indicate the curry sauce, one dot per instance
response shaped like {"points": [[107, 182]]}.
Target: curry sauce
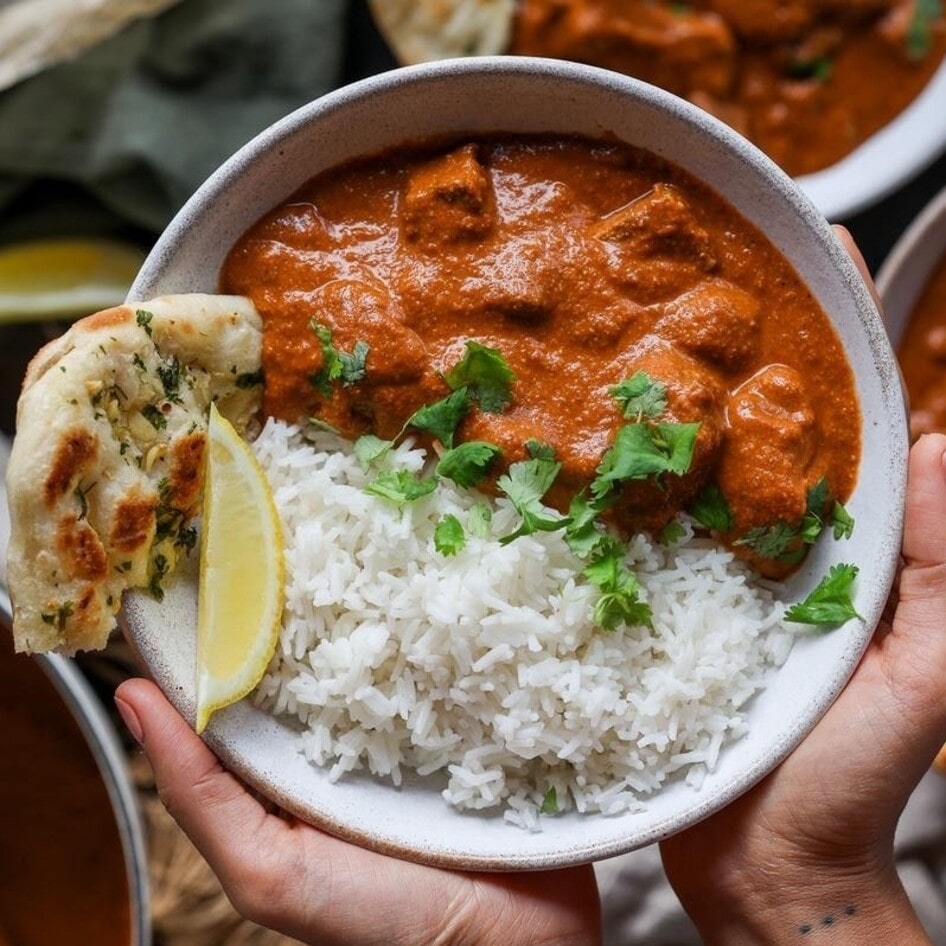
{"points": [[584, 264], [806, 80]]}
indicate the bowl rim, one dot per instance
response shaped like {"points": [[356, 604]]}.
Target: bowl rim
{"points": [[794, 198], [910, 263]]}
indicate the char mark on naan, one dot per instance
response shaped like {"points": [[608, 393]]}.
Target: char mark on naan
{"points": [[104, 478]]}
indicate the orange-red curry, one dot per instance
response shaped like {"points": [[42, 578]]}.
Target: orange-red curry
{"points": [[583, 263], [922, 357], [806, 80]]}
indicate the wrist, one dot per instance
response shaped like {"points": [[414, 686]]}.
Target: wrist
{"points": [[833, 903]]}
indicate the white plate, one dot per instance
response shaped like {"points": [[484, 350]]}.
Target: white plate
{"points": [[518, 94]]}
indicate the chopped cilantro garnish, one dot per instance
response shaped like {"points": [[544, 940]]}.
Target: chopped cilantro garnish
{"points": [[830, 604], [779, 541], [369, 449], [170, 374], [154, 417], [479, 520], [160, 567], [619, 602], [642, 450], [449, 537], [842, 522], [59, 617], [540, 450], [525, 484], [400, 487], [640, 396], [320, 424], [920, 31], [549, 802], [583, 533], [671, 533], [441, 418], [250, 379], [468, 463], [818, 68], [337, 365], [487, 376], [143, 318], [711, 509]]}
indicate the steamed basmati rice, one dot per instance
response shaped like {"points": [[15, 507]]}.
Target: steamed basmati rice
{"points": [[485, 666]]}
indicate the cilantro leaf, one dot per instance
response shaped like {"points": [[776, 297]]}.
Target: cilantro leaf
{"points": [[842, 522], [468, 463], [830, 604], [549, 802], [540, 450], [641, 396], [920, 31], [369, 449], [525, 484], [143, 317], [487, 375], [619, 602], [441, 418], [642, 450], [449, 537], [779, 542], [671, 533], [337, 365], [400, 487], [479, 519], [584, 534], [711, 509], [353, 366]]}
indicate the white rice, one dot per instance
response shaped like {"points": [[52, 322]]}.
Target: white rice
{"points": [[486, 666]]}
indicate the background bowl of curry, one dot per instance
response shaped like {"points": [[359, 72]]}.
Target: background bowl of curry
{"points": [[525, 96], [912, 286], [73, 867], [847, 97]]}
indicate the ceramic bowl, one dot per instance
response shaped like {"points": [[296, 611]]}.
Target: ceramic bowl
{"points": [[522, 95], [910, 264]]}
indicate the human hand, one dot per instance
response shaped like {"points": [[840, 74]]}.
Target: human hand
{"points": [[284, 874], [811, 847]]}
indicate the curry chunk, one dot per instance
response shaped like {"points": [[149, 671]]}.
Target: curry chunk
{"points": [[716, 322], [448, 200], [658, 247], [771, 440]]}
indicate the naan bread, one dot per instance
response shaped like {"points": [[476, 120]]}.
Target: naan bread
{"points": [[421, 30], [104, 478]]}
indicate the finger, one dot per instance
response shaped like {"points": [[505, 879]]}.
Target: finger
{"points": [[924, 536], [208, 802], [844, 235]]}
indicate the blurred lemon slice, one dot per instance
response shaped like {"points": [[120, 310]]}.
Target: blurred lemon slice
{"points": [[63, 279], [240, 599]]}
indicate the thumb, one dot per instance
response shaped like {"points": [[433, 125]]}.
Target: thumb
{"points": [[208, 802], [915, 653]]}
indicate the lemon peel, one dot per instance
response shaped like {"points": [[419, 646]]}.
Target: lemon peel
{"points": [[64, 278], [242, 575]]}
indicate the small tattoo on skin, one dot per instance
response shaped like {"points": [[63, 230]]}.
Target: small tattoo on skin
{"points": [[828, 920]]}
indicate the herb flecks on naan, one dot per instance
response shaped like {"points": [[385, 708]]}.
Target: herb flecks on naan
{"points": [[104, 478]]}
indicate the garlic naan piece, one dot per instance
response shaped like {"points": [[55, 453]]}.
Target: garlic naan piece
{"points": [[421, 30], [105, 474]]}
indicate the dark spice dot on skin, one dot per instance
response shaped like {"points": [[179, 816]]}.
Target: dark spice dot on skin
{"points": [[804, 929], [850, 910], [828, 920]]}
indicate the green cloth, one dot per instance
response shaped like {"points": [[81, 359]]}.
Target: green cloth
{"points": [[123, 135]]}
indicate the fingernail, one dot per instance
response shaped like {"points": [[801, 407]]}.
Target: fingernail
{"points": [[131, 719]]}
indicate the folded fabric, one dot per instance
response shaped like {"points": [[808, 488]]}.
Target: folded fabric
{"points": [[139, 121]]}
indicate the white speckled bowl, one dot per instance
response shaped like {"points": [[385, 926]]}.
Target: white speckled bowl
{"points": [[516, 94], [910, 264]]}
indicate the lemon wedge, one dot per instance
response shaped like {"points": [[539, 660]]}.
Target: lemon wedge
{"points": [[63, 279], [240, 599]]}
